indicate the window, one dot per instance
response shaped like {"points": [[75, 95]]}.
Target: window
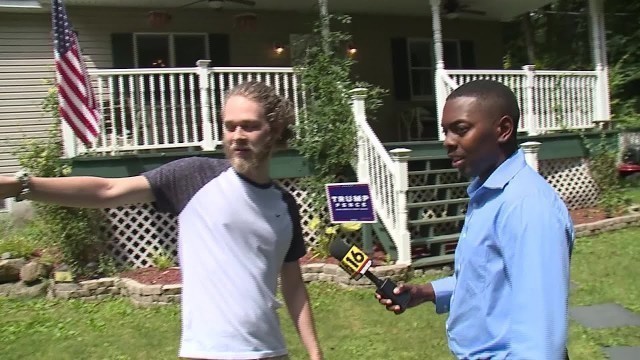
{"points": [[413, 65], [169, 50], [422, 65]]}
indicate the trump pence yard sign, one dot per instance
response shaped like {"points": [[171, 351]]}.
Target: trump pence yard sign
{"points": [[350, 202]]}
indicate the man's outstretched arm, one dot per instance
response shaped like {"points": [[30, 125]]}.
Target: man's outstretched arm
{"points": [[82, 191]]}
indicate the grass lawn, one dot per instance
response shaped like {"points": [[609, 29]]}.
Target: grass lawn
{"points": [[350, 322]]}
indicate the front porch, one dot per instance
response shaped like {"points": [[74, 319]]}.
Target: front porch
{"points": [[174, 109]]}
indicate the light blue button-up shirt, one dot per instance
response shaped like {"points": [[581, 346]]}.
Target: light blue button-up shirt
{"points": [[508, 296]]}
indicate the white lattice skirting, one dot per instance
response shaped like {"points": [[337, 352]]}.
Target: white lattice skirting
{"points": [[571, 179], [136, 233]]}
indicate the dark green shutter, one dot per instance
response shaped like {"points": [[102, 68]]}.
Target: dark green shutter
{"points": [[467, 54], [400, 69], [122, 50], [219, 51]]}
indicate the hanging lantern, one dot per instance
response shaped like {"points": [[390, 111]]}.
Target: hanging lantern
{"points": [[246, 21], [158, 19]]}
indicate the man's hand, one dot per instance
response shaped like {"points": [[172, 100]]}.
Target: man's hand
{"points": [[419, 294]]}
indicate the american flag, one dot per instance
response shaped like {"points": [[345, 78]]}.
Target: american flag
{"points": [[75, 95]]}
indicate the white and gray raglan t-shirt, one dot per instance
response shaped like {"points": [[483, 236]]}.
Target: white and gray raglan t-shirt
{"points": [[234, 236]]}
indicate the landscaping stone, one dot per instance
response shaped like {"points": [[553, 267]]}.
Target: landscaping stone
{"points": [[5, 256], [66, 287], [7, 289], [10, 270], [30, 291], [622, 352], [604, 316], [33, 271]]}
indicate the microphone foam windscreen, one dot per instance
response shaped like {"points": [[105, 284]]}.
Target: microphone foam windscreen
{"points": [[339, 248]]}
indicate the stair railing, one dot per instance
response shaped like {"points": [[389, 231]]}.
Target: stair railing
{"points": [[387, 176]]}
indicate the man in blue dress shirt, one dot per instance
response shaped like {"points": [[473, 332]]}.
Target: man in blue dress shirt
{"points": [[508, 296]]}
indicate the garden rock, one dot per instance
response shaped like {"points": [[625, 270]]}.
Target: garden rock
{"points": [[30, 291], [7, 289], [10, 270], [32, 272], [5, 256]]}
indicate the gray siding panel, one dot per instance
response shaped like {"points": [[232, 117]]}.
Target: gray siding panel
{"points": [[26, 62]]}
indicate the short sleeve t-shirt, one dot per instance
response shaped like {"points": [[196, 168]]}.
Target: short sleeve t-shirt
{"points": [[234, 235]]}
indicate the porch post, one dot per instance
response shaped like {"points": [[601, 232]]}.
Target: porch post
{"points": [[358, 97], [530, 149], [205, 105], [530, 121], [400, 159], [440, 89], [596, 12]]}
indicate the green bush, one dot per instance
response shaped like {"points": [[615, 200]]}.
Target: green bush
{"points": [[18, 246], [327, 130], [162, 260], [603, 168], [74, 232]]}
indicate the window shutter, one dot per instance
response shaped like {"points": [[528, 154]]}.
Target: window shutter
{"points": [[122, 50], [219, 50], [467, 54], [400, 69]]}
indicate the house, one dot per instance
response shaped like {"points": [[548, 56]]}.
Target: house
{"points": [[158, 104]]}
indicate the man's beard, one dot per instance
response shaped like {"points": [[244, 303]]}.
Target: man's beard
{"points": [[248, 164]]}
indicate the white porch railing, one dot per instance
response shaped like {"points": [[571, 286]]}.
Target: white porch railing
{"points": [[146, 109], [387, 175], [549, 100]]}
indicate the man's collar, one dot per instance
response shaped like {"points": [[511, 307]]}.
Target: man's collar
{"points": [[503, 173]]}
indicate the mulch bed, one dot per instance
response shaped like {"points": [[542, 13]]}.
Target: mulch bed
{"points": [[154, 276]]}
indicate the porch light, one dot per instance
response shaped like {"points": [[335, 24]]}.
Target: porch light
{"points": [[278, 48], [352, 49]]}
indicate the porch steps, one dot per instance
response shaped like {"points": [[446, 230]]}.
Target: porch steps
{"points": [[436, 239], [438, 220], [432, 261], [438, 186], [437, 200]]}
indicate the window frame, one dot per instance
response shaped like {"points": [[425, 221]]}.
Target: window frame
{"points": [[171, 40], [432, 68]]}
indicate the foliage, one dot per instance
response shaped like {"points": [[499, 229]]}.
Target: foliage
{"points": [[18, 246], [329, 233], [162, 260], [603, 168], [327, 130], [107, 265], [74, 231]]}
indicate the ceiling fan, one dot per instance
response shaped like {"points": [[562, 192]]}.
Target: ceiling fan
{"points": [[453, 7], [219, 4]]}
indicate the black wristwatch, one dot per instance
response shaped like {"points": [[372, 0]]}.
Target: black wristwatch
{"points": [[23, 178]]}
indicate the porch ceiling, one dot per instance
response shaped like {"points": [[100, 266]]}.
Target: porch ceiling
{"points": [[495, 9]]}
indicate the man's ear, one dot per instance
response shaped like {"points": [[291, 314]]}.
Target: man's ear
{"points": [[505, 129]]}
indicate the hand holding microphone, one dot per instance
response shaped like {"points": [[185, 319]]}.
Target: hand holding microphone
{"points": [[356, 263]]}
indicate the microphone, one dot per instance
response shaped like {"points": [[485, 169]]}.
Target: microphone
{"points": [[356, 263]]}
